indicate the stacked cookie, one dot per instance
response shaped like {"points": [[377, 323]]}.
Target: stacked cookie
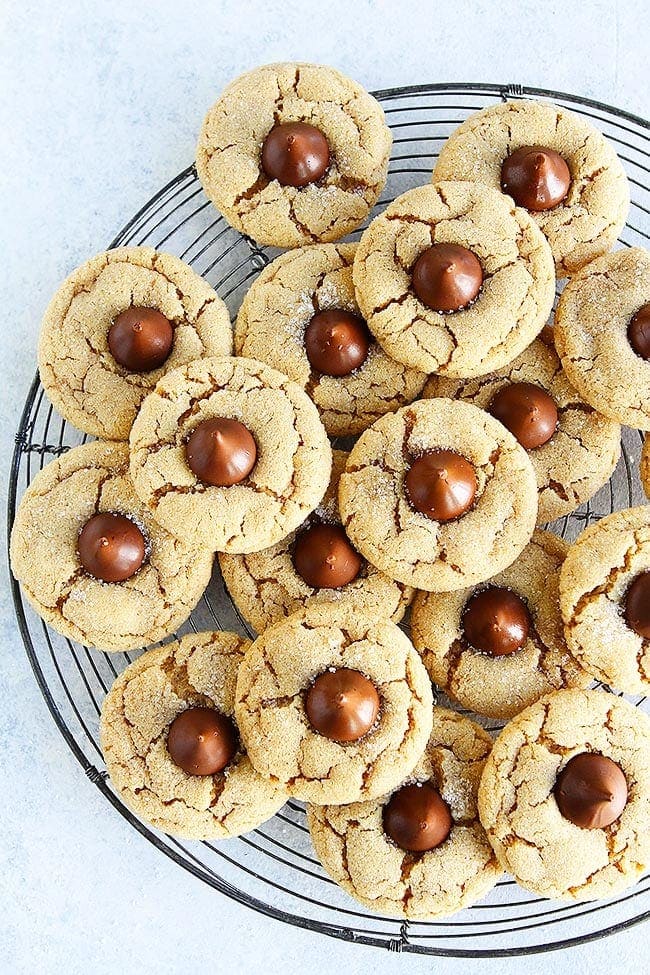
{"points": [[446, 297]]}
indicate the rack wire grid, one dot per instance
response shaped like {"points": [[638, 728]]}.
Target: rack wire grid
{"points": [[274, 870]]}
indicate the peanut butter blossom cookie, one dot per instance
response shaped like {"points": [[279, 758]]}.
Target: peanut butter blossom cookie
{"points": [[418, 852], [116, 325], [333, 706], [498, 647], [229, 454], [294, 154], [573, 448], [438, 495], [171, 744], [91, 559], [552, 163], [315, 564], [605, 599], [454, 279], [602, 334], [565, 795], [301, 316]]}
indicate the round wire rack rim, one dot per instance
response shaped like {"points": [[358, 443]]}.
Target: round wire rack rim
{"points": [[168, 845]]}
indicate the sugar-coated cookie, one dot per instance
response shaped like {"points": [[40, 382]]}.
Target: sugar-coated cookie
{"points": [[554, 163], [176, 704], [565, 795], [116, 325], [294, 153], [435, 810]]}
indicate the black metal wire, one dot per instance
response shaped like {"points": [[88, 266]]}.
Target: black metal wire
{"points": [[273, 870]]}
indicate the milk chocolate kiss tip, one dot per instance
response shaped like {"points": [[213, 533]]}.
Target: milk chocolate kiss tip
{"points": [[342, 705], [447, 277], [221, 451], [295, 153], [536, 177], [202, 741], [140, 339], [111, 547]]}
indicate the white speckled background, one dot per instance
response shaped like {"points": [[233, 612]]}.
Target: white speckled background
{"points": [[101, 104]]}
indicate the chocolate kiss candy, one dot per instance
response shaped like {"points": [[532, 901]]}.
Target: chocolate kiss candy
{"points": [[140, 339], [337, 342], [417, 818], [324, 557], [496, 621], [221, 452], [591, 791], [447, 277], [202, 741], [342, 704], [111, 547], [295, 153], [637, 605], [638, 332], [441, 485], [527, 411], [535, 177]]}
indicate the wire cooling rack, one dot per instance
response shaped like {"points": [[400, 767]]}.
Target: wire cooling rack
{"points": [[274, 870]]}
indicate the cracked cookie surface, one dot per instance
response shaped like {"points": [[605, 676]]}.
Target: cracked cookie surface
{"points": [[545, 852], [500, 687], [198, 671], [111, 616], [228, 155], [288, 480], [591, 323], [271, 327], [81, 377], [599, 569], [266, 586], [584, 450], [512, 306], [588, 221], [275, 676], [407, 545], [354, 849]]}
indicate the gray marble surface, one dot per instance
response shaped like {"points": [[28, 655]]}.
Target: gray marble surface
{"points": [[101, 105]]}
